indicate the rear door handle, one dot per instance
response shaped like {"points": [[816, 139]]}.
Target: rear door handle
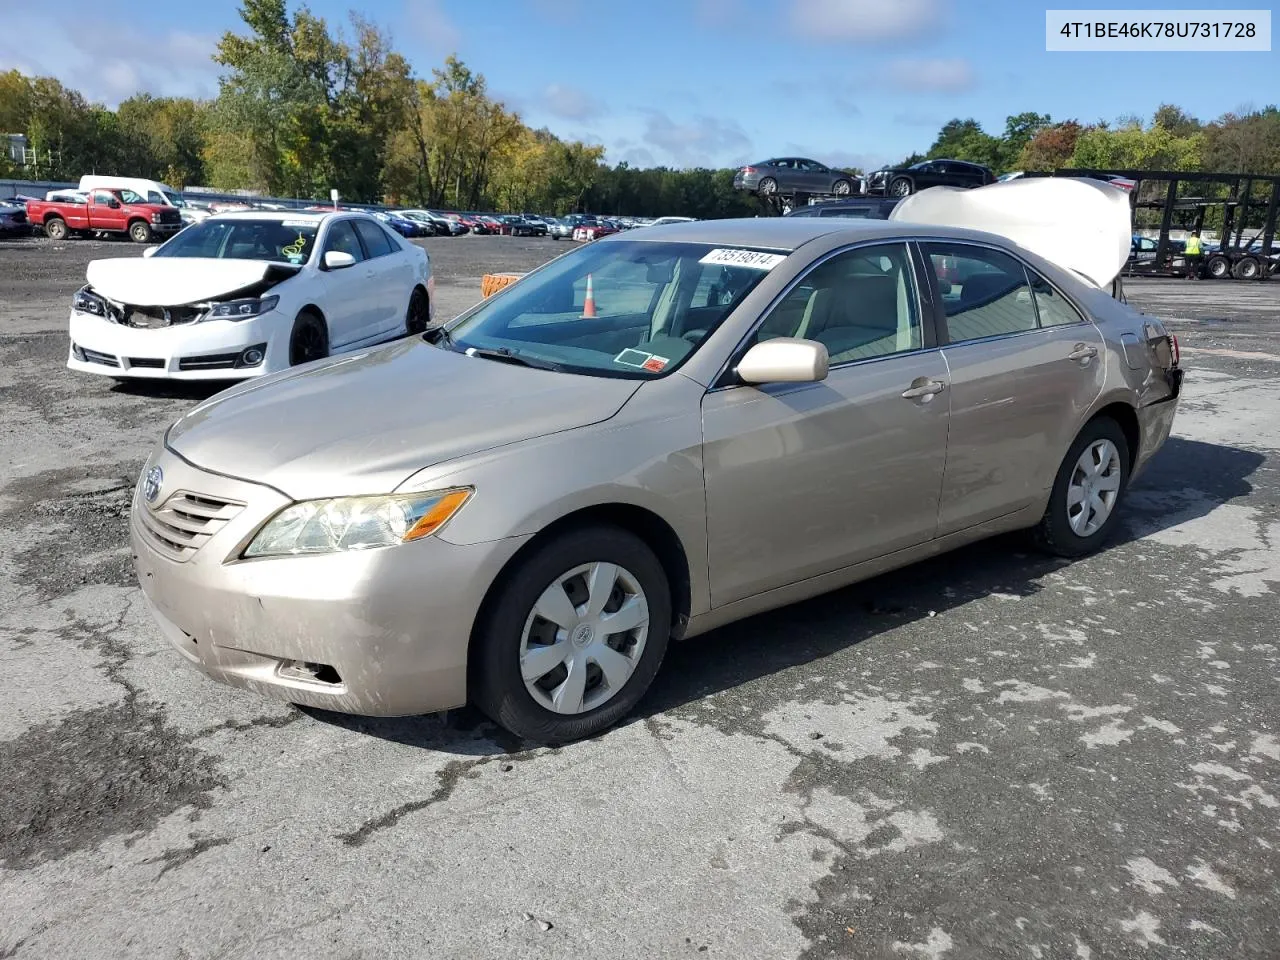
{"points": [[923, 388], [1083, 352]]}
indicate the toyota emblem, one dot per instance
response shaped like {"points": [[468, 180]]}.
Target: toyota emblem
{"points": [[151, 485]]}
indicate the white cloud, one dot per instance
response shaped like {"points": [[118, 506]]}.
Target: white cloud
{"points": [[704, 142], [96, 57], [432, 26], [570, 103], [933, 75], [864, 21]]}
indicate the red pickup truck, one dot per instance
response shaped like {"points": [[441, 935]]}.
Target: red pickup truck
{"points": [[105, 211]]}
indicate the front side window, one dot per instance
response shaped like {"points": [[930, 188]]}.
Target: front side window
{"points": [[860, 304], [984, 291], [342, 237], [630, 309], [103, 197]]}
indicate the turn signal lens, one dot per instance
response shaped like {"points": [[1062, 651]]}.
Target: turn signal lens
{"points": [[436, 515]]}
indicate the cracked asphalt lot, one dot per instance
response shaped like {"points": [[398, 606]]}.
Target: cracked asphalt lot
{"points": [[989, 755]]}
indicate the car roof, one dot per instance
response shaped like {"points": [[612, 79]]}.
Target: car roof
{"points": [[790, 233], [314, 215]]}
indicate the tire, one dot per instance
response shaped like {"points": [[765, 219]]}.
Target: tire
{"points": [[900, 187], [1219, 268], [309, 339], [1056, 533], [842, 188], [55, 228], [140, 231], [511, 624], [418, 315], [1246, 268], [768, 187]]}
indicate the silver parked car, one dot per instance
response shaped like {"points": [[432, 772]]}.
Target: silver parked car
{"points": [[643, 439]]}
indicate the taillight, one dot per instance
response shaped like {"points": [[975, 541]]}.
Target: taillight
{"points": [[748, 169], [1177, 352]]}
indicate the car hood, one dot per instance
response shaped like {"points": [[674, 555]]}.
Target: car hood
{"points": [[174, 281], [366, 423]]}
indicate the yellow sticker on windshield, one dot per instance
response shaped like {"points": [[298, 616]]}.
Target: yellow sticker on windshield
{"points": [[294, 250]]}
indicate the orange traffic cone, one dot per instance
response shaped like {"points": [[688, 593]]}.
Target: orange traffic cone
{"points": [[589, 304]]}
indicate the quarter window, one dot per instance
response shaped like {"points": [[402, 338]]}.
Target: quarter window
{"points": [[985, 292], [861, 304]]}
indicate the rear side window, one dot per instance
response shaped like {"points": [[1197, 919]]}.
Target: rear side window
{"points": [[985, 292], [375, 240], [1054, 310]]}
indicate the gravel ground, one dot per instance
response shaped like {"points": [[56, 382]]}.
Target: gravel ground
{"points": [[989, 755]]}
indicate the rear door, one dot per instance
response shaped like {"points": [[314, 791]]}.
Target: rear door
{"points": [[348, 307], [1025, 368], [390, 274]]}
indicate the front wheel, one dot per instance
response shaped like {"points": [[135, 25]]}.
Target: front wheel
{"points": [[1090, 484], [572, 639], [140, 232], [309, 339]]}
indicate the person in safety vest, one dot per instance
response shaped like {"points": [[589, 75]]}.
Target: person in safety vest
{"points": [[1194, 253]]}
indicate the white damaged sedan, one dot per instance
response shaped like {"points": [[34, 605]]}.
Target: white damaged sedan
{"points": [[246, 294]]}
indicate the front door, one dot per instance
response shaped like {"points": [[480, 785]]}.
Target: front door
{"points": [[104, 216], [348, 308], [1025, 366], [804, 479]]}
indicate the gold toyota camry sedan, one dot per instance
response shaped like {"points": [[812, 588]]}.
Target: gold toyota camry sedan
{"points": [[646, 438]]}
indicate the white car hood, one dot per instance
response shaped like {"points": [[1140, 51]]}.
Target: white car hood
{"points": [[174, 281], [1079, 224]]}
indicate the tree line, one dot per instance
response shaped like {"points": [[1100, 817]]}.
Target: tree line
{"points": [[303, 108]]}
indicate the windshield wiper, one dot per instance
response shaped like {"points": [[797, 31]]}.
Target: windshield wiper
{"points": [[506, 355]]}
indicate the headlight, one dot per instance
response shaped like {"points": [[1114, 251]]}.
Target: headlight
{"points": [[356, 523], [156, 218], [241, 309], [86, 301]]}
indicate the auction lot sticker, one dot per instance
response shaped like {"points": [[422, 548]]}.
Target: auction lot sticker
{"points": [[744, 258]]}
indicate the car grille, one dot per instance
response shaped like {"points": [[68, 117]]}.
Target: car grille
{"points": [[106, 359], [210, 361], [184, 522], [148, 317], [153, 363], [170, 216]]}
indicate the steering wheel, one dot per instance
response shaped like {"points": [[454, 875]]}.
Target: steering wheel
{"points": [[693, 336]]}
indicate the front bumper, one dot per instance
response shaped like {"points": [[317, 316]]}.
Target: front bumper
{"points": [[379, 632], [210, 350]]}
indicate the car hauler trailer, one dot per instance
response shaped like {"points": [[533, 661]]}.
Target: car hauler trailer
{"points": [[1247, 210]]}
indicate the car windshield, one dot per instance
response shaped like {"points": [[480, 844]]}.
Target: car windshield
{"points": [[281, 241], [617, 309]]}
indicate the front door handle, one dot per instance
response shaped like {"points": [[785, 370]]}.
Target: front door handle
{"points": [[923, 388], [1083, 352]]}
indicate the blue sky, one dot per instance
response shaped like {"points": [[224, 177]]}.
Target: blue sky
{"points": [[688, 82]]}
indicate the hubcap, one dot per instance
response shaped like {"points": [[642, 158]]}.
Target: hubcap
{"points": [[1094, 488], [584, 637]]}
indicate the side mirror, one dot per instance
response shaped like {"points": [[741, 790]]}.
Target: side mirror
{"points": [[338, 260], [150, 251], [784, 360]]}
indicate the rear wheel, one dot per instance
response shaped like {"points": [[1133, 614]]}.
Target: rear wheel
{"points": [[55, 228], [309, 339], [572, 639], [900, 187], [140, 231], [419, 313], [1218, 267], [1090, 484], [1246, 268], [768, 187]]}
